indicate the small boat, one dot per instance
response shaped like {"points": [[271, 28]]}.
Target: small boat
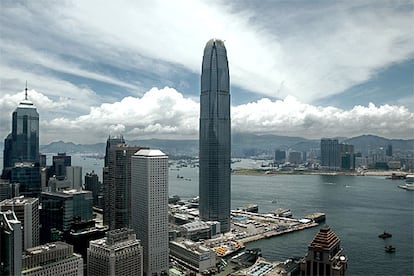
{"points": [[385, 235], [389, 249]]}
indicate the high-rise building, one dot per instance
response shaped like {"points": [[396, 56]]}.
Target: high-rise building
{"points": [[22, 144], [325, 255], [337, 156], [60, 162], [27, 212], [117, 185], [74, 175], [52, 259], [8, 189], [149, 189], [119, 253], [280, 156], [330, 159], [60, 210], [215, 136], [28, 176], [92, 184], [10, 244]]}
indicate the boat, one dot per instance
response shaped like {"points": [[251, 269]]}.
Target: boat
{"points": [[408, 186], [409, 179], [389, 249], [385, 235]]}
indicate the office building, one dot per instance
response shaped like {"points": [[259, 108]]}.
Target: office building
{"points": [[60, 163], [149, 189], [337, 156], [92, 184], [117, 184], [74, 175], [280, 156], [215, 136], [330, 154], [8, 189], [119, 253], [61, 209], [325, 255], [295, 157], [195, 256], [52, 259], [27, 212], [10, 244], [22, 144], [28, 176]]}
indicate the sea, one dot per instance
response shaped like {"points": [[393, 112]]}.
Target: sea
{"points": [[357, 208]]}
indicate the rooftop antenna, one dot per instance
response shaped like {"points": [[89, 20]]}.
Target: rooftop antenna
{"points": [[25, 97]]}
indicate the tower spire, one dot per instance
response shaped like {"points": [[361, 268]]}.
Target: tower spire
{"points": [[25, 95]]}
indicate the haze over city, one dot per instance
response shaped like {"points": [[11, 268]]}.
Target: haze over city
{"points": [[310, 69]]}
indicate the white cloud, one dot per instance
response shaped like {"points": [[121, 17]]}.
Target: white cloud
{"points": [[166, 113], [309, 54]]}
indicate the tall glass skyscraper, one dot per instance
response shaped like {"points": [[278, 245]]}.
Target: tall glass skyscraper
{"points": [[215, 136], [22, 144]]}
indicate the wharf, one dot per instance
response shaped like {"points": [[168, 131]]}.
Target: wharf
{"points": [[273, 233]]}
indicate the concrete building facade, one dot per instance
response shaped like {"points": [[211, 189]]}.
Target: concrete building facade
{"points": [[119, 253], [27, 212], [150, 208]]}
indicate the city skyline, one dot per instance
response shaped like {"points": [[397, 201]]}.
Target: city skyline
{"points": [[298, 69]]}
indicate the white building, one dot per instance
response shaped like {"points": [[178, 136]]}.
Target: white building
{"points": [[10, 244], [27, 212], [74, 175], [52, 259], [149, 203], [193, 255], [119, 253]]}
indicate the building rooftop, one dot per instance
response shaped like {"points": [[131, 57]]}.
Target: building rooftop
{"points": [[21, 200], [325, 238], [149, 152]]}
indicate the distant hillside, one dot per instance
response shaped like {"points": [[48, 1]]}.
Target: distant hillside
{"points": [[243, 145], [365, 143], [70, 147]]}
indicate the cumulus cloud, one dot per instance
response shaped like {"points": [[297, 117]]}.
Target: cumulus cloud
{"points": [[167, 113], [309, 51]]}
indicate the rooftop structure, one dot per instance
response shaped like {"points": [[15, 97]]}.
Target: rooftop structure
{"points": [[193, 255], [52, 259], [119, 253]]}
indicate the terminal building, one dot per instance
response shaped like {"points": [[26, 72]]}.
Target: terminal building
{"points": [[197, 230], [193, 255]]}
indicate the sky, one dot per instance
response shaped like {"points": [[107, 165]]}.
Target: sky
{"points": [[310, 69]]}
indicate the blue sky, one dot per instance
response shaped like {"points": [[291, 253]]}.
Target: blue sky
{"points": [[300, 68]]}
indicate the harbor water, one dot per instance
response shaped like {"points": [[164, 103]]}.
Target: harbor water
{"points": [[357, 208]]}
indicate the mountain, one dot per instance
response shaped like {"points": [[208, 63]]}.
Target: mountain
{"points": [[243, 145], [70, 147], [366, 143]]}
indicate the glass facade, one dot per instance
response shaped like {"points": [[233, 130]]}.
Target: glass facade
{"points": [[215, 136]]}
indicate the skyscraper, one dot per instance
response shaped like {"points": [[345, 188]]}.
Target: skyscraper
{"points": [[117, 184], [149, 187], [10, 244], [119, 253], [22, 144], [27, 212], [215, 136]]}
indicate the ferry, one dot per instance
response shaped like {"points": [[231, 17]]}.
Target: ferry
{"points": [[409, 185], [385, 235]]}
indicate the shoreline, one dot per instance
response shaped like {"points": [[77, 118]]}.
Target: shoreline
{"points": [[260, 172]]}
